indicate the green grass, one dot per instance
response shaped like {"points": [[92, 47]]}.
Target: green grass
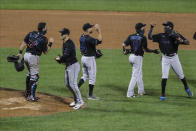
{"points": [[179, 6], [114, 112]]}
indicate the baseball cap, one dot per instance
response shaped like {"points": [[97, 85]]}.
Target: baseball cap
{"points": [[65, 31], [168, 23], [139, 25], [86, 26]]}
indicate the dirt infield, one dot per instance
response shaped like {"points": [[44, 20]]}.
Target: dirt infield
{"points": [[13, 103], [116, 26]]}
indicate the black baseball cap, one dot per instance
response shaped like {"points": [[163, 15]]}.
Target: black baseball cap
{"points": [[139, 25], [65, 31], [86, 26], [169, 23]]}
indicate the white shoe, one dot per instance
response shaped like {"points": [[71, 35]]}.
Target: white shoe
{"points": [[78, 106], [133, 96], [142, 94], [72, 104]]}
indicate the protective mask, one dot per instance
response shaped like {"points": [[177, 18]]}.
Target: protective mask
{"points": [[141, 32], [167, 30]]}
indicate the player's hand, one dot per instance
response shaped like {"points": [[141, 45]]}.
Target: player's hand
{"points": [[20, 56], [156, 51], [97, 27], [51, 40]]}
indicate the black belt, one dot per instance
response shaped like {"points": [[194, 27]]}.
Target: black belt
{"points": [[170, 55], [71, 63], [136, 54]]}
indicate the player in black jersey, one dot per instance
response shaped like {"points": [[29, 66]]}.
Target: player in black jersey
{"points": [[138, 44], [35, 43], [72, 67], [168, 44], [88, 50]]}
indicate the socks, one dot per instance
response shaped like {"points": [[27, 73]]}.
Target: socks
{"points": [[91, 87], [80, 83], [185, 83], [163, 85]]}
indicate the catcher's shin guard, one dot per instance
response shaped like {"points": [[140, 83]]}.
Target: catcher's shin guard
{"points": [[33, 86], [28, 88]]}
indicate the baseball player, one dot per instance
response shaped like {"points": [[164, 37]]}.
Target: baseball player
{"points": [[35, 43], [168, 44], [88, 50], [72, 67], [138, 44], [194, 36]]}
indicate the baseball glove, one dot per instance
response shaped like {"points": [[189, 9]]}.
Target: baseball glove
{"points": [[58, 59], [126, 51], [98, 53]]}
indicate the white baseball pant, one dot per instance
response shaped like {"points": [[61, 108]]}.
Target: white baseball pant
{"points": [[136, 62], [173, 62]]}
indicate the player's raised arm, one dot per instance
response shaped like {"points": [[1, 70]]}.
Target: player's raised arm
{"points": [[150, 32], [98, 29]]}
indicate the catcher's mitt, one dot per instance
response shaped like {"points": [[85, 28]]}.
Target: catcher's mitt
{"points": [[98, 53], [12, 58]]}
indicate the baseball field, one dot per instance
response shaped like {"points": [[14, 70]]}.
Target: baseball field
{"points": [[113, 112]]}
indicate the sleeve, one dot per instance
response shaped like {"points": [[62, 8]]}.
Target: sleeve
{"points": [[156, 37], [26, 39], [127, 41], [45, 43], [144, 43], [93, 41]]}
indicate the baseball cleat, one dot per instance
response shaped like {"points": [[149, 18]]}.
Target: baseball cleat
{"points": [[72, 104], [142, 94], [32, 99], [78, 106], [133, 96], [190, 94], [93, 98], [162, 98]]}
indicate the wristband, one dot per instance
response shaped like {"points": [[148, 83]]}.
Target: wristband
{"points": [[50, 44]]}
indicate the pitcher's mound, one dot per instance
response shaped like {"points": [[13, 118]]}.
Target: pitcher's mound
{"points": [[13, 103]]}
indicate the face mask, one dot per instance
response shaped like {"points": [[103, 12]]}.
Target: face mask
{"points": [[141, 32], [167, 30]]}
